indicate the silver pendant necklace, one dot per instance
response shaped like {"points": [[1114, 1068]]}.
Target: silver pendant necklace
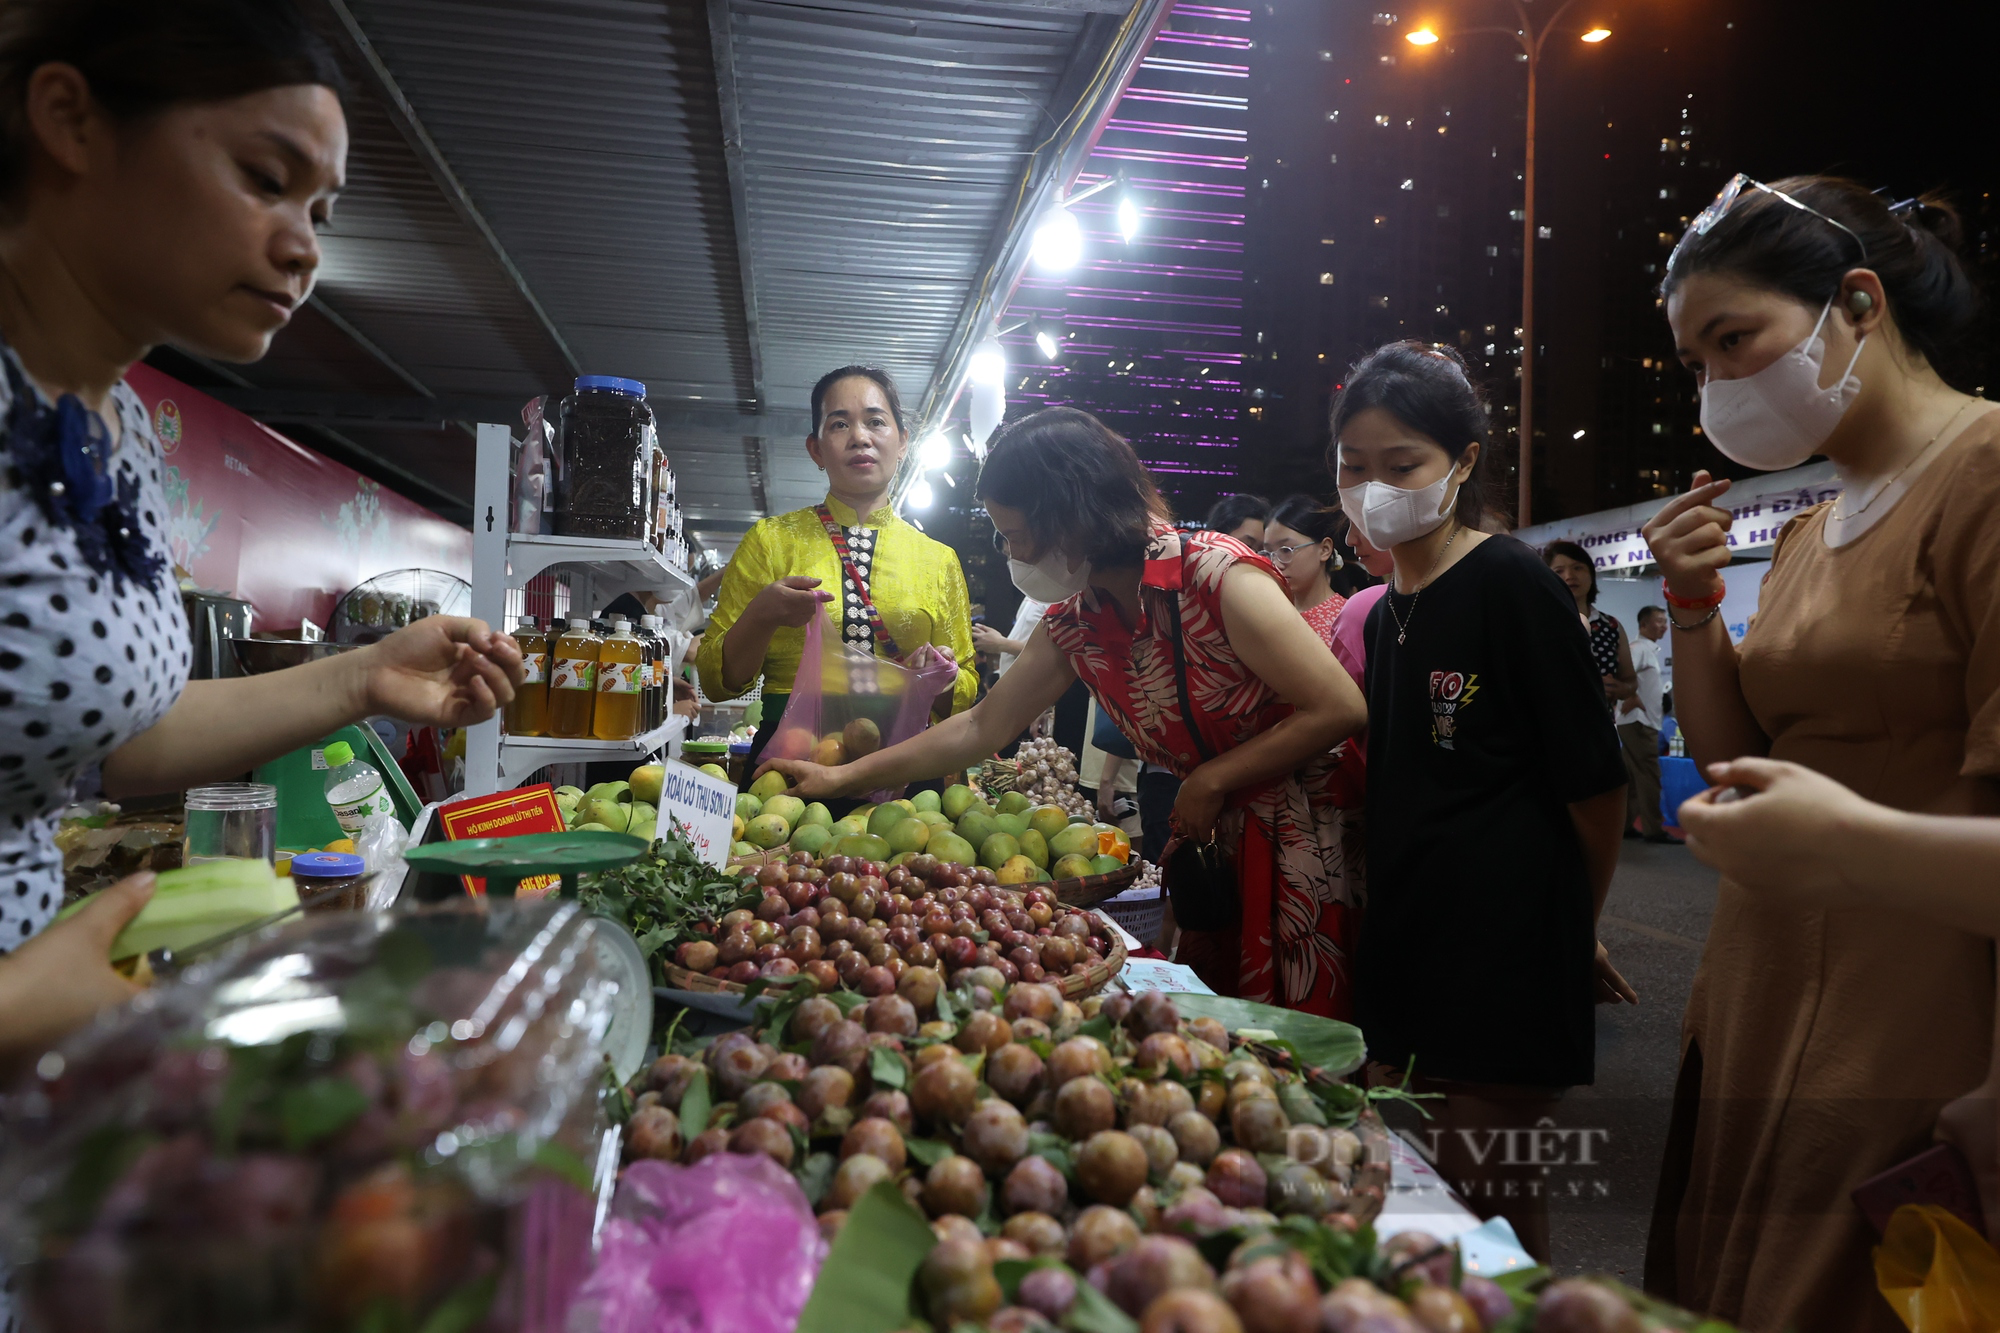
{"points": [[1402, 625]]}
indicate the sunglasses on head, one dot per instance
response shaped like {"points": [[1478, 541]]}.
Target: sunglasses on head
{"points": [[1732, 194]]}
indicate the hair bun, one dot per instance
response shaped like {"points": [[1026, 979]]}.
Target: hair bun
{"points": [[1934, 214]]}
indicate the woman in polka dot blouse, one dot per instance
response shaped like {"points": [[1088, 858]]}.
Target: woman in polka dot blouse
{"points": [[163, 170]]}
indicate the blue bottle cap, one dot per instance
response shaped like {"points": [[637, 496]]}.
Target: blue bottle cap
{"points": [[612, 384], [327, 865]]}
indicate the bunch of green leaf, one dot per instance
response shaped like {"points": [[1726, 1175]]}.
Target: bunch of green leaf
{"points": [[663, 897]]}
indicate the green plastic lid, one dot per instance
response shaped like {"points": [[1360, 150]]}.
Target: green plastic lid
{"points": [[705, 747], [338, 753]]}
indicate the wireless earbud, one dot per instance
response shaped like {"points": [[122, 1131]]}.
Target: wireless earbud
{"points": [[1860, 303]]}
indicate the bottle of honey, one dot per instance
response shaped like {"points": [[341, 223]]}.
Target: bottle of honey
{"points": [[573, 680], [650, 710], [528, 715], [619, 660]]}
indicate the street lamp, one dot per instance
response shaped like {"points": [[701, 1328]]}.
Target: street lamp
{"points": [[1531, 39]]}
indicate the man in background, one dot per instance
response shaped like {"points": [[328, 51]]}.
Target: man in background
{"points": [[1639, 720]]}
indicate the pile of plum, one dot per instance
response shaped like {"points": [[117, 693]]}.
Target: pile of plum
{"points": [[911, 929]]}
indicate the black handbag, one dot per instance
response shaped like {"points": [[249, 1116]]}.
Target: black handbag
{"points": [[1200, 877]]}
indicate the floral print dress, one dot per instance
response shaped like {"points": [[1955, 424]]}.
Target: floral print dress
{"points": [[1300, 904]]}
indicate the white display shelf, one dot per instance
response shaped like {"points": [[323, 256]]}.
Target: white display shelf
{"points": [[613, 565], [599, 568], [522, 755]]}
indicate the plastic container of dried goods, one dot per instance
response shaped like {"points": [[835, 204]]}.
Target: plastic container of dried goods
{"points": [[355, 1120], [607, 441]]}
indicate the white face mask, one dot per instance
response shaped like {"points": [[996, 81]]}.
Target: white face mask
{"points": [[1389, 515], [1049, 579], [1779, 417]]}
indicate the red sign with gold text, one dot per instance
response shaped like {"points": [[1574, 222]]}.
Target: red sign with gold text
{"points": [[251, 513], [505, 814]]}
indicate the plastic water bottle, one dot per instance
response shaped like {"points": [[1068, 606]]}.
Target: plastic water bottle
{"points": [[354, 789]]}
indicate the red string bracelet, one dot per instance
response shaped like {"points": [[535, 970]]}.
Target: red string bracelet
{"points": [[1692, 603]]}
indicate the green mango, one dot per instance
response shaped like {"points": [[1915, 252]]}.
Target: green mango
{"points": [[767, 831], [976, 827], [1105, 865], [614, 815], [909, 835], [1074, 840], [716, 771], [811, 838], [1036, 848], [1072, 867], [615, 791], [997, 850], [1014, 803], [817, 813], [1013, 824], [742, 849], [749, 806], [852, 826], [866, 846], [955, 802], [948, 847], [788, 808], [888, 815], [926, 800], [1048, 820]]}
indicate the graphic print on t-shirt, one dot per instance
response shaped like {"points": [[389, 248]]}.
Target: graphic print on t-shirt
{"points": [[1450, 691]]}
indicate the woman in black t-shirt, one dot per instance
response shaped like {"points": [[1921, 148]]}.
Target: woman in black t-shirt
{"points": [[1495, 787]]}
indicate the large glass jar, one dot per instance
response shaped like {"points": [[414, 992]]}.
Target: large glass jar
{"points": [[607, 440]]}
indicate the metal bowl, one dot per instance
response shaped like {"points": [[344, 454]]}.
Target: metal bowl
{"points": [[254, 657]]}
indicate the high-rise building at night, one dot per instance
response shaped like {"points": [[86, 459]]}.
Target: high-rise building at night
{"points": [[1147, 328]]}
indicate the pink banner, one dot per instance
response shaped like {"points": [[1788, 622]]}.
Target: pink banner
{"points": [[251, 513]]}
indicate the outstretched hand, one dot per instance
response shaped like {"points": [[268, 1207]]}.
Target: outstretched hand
{"points": [[60, 979], [1785, 830], [809, 781], [443, 671]]}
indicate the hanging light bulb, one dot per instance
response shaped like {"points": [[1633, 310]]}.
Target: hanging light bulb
{"points": [[1058, 243], [1128, 218], [934, 452], [989, 365], [920, 494]]}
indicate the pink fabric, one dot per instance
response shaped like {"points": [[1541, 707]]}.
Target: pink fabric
{"points": [[1347, 642]]}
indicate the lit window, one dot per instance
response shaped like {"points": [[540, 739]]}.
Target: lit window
{"points": [[1326, 240], [1545, 233], [1409, 185], [1382, 121], [1489, 349], [1666, 238], [1492, 252], [1333, 158], [1385, 60], [1666, 145], [1516, 215], [1659, 428], [1326, 279], [1663, 192], [1444, 310], [1333, 115], [1385, 20]]}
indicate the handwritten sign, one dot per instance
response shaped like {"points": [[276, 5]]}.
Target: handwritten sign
{"points": [[705, 806]]}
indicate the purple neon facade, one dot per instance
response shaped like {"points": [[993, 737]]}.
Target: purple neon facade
{"points": [[1152, 330]]}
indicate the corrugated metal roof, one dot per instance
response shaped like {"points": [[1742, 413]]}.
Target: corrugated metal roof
{"points": [[538, 187]]}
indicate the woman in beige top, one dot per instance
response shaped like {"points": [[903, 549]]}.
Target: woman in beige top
{"points": [[1821, 1044]]}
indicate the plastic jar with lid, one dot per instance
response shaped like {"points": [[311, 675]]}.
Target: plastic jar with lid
{"points": [[606, 439], [330, 881]]}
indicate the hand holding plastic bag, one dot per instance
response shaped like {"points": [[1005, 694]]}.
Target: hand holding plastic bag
{"points": [[728, 1245], [847, 703], [1939, 1274]]}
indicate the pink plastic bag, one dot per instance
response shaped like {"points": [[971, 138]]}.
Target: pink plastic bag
{"points": [[846, 703], [728, 1245]]}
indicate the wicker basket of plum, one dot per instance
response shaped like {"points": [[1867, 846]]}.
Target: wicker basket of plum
{"points": [[916, 930]]}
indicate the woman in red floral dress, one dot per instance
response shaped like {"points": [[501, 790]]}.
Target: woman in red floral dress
{"points": [[1087, 531]]}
